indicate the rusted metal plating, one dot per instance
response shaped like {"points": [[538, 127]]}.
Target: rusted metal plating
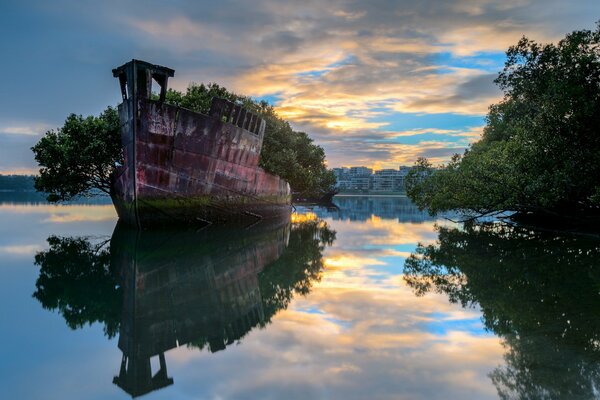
{"points": [[237, 115]]}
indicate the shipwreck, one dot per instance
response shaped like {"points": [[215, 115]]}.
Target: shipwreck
{"points": [[184, 167]]}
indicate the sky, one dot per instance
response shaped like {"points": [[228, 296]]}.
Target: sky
{"points": [[375, 83]]}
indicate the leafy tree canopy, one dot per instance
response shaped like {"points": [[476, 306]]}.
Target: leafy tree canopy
{"points": [[540, 149], [78, 158]]}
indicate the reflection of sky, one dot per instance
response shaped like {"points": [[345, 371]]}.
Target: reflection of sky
{"points": [[41, 357], [360, 333]]}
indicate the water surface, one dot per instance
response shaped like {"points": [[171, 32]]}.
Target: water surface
{"points": [[323, 306]]}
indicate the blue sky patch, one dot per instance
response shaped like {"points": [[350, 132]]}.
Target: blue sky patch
{"points": [[410, 121], [487, 61]]}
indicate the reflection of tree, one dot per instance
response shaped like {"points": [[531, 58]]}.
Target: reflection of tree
{"points": [[539, 291], [76, 279], [299, 266]]}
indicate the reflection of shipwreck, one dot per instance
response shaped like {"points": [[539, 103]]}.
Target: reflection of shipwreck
{"points": [[185, 167], [199, 289], [161, 289]]}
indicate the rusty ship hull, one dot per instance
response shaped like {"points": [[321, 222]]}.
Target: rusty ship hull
{"points": [[184, 167]]}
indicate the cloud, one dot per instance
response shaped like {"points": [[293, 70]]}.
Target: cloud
{"points": [[21, 250], [378, 155], [470, 133], [18, 171], [36, 129], [339, 69]]}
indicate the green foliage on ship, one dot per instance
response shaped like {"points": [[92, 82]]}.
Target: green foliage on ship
{"points": [[78, 158], [540, 150], [288, 153]]}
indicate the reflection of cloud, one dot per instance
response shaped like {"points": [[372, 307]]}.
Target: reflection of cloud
{"points": [[345, 262], [362, 335], [365, 341], [383, 323], [381, 232], [303, 217], [64, 213]]}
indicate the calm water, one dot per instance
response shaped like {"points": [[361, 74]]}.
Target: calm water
{"points": [[373, 300]]}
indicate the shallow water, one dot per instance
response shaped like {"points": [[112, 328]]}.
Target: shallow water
{"points": [[324, 306]]}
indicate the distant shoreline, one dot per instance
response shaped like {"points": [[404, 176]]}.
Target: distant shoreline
{"points": [[370, 195]]}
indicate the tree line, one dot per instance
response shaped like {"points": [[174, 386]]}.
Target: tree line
{"points": [[539, 154], [16, 183]]}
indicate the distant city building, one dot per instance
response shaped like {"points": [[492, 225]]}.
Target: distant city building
{"points": [[386, 180], [362, 179], [362, 171]]}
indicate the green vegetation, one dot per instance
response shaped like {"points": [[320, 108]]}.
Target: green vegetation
{"points": [[290, 154], [537, 290], [79, 158], [540, 150]]}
